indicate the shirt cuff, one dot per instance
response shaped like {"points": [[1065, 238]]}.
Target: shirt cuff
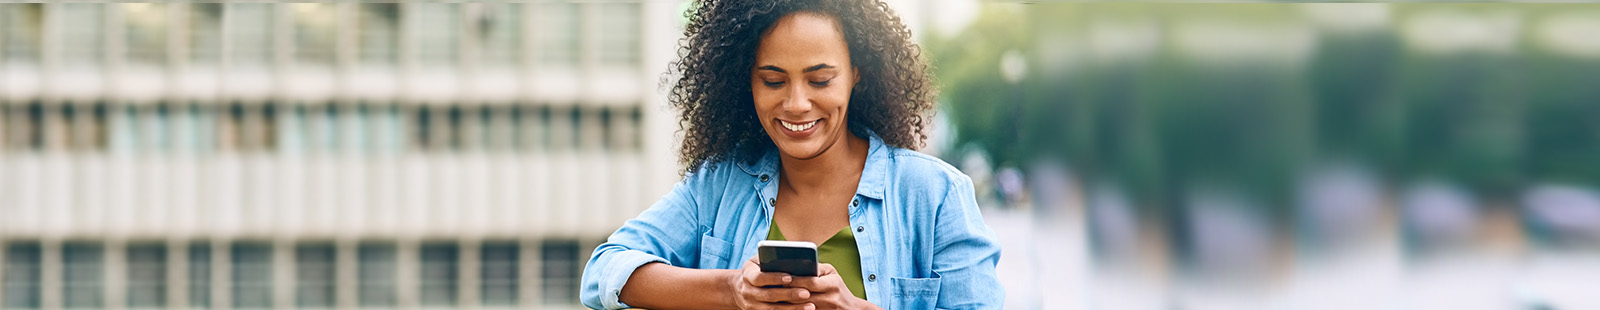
{"points": [[620, 269]]}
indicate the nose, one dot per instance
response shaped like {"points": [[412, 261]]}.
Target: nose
{"points": [[798, 101]]}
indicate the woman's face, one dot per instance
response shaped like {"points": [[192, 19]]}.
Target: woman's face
{"points": [[801, 81]]}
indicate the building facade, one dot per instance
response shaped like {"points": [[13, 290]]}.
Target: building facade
{"points": [[324, 156]]}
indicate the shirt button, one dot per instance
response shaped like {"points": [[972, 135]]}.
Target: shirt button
{"points": [[872, 277], [855, 202], [773, 201], [763, 178], [861, 228]]}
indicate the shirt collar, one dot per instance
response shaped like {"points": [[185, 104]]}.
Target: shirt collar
{"points": [[873, 175]]}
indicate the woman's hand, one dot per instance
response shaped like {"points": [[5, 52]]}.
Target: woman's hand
{"points": [[751, 292], [828, 290]]}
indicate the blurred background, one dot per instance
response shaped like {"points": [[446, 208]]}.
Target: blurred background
{"points": [[470, 156]]}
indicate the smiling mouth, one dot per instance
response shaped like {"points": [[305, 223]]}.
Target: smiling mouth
{"points": [[798, 126]]}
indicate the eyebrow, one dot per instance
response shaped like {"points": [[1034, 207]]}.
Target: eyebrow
{"points": [[807, 70], [817, 67]]}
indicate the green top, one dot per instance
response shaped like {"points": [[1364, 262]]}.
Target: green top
{"points": [[840, 250]]}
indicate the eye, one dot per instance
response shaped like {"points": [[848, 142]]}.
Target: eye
{"points": [[822, 83], [772, 84]]}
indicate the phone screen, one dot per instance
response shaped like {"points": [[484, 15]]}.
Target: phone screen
{"points": [[793, 260]]}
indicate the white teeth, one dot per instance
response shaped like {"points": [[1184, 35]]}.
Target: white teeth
{"points": [[797, 127]]}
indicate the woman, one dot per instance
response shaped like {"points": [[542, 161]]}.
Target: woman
{"points": [[797, 117]]}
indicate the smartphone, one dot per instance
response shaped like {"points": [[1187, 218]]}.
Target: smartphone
{"points": [[796, 258]]}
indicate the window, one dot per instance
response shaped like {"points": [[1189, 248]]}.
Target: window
{"points": [[249, 35], [562, 128], [590, 128], [439, 274], [22, 276], [199, 276], [436, 28], [376, 275], [379, 33], [81, 25], [122, 132], [20, 32], [291, 135], [350, 121], [147, 275], [556, 33], [560, 264], [91, 122], [499, 273], [231, 131], [83, 275], [530, 126], [618, 33], [388, 128], [55, 133], [5, 135], [626, 134], [499, 128], [204, 133], [146, 32], [260, 127], [314, 275], [181, 130], [252, 275], [619, 128], [205, 33], [154, 126], [322, 122], [19, 127], [455, 133], [500, 30], [472, 131], [313, 33], [34, 136], [422, 128]]}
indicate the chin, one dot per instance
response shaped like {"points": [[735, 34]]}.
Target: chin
{"points": [[800, 150]]}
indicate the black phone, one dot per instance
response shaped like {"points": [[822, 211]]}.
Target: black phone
{"points": [[796, 258]]}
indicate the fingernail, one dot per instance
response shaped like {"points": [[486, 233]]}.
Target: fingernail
{"points": [[786, 279]]}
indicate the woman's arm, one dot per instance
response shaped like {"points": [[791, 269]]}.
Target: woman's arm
{"points": [[664, 233], [651, 262], [662, 286], [965, 253]]}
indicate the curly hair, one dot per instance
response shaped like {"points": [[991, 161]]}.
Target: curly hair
{"points": [[893, 98]]}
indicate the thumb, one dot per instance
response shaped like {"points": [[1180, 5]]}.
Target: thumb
{"points": [[824, 269]]}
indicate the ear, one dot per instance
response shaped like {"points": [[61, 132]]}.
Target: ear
{"points": [[855, 76]]}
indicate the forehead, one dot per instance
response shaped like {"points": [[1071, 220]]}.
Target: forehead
{"points": [[803, 39]]}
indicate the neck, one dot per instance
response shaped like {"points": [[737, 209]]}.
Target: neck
{"points": [[839, 165]]}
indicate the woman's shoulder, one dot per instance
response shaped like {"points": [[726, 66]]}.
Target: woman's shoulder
{"points": [[919, 172], [716, 173], [924, 165]]}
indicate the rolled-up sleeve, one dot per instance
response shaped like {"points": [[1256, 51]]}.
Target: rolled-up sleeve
{"points": [[663, 233], [965, 253]]}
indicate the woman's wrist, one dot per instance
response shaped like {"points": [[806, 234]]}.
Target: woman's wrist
{"points": [[730, 288], [858, 303]]}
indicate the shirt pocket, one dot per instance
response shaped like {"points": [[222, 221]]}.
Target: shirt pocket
{"points": [[714, 253], [915, 293]]}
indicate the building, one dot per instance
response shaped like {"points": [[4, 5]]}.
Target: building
{"points": [[324, 156]]}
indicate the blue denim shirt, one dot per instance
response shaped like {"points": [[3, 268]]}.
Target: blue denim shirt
{"points": [[923, 243]]}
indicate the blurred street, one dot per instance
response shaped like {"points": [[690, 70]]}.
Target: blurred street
{"points": [[1046, 263]]}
